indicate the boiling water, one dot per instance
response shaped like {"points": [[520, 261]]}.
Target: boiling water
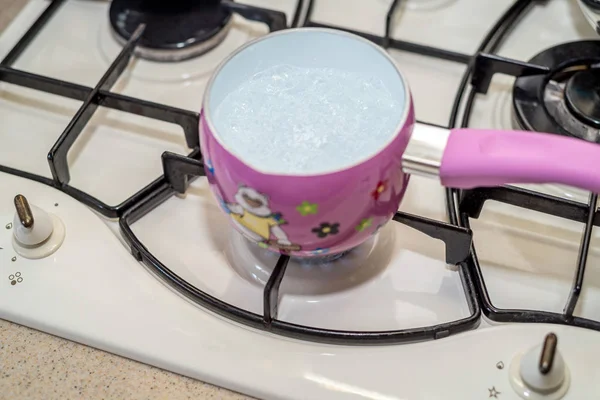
{"points": [[295, 120]]}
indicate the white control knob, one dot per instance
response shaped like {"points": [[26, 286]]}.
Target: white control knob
{"points": [[36, 234], [541, 372]]}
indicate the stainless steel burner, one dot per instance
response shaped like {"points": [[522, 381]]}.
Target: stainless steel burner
{"points": [[554, 99], [582, 95]]}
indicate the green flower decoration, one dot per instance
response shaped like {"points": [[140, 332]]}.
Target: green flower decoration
{"points": [[263, 245], [364, 224], [307, 208]]}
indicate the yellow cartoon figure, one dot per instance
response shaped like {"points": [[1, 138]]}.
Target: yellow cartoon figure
{"points": [[251, 213]]}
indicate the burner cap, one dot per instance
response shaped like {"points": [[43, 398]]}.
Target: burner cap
{"points": [[582, 95], [176, 30], [566, 101]]}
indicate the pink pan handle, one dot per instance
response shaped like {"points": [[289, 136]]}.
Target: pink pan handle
{"points": [[476, 158]]}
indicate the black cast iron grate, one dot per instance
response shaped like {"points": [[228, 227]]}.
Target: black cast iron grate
{"points": [[101, 96], [178, 169], [465, 204]]}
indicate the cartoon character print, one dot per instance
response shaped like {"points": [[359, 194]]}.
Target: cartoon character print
{"points": [[252, 214]]}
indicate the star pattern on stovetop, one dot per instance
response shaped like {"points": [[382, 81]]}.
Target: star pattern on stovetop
{"points": [[493, 392]]}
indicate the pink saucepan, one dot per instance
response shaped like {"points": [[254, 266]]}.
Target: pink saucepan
{"points": [[308, 215]]}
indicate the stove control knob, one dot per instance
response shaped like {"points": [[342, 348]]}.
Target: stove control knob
{"points": [[541, 372], [36, 233], [32, 225]]}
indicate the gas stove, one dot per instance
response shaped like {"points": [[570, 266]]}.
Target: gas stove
{"points": [[110, 237]]}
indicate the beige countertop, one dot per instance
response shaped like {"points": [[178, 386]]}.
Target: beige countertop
{"points": [[34, 365]]}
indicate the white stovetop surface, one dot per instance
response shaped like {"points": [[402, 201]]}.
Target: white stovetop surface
{"points": [[92, 291]]}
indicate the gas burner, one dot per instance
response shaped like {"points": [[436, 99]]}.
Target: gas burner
{"points": [[327, 274], [175, 30], [582, 95], [567, 101]]}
